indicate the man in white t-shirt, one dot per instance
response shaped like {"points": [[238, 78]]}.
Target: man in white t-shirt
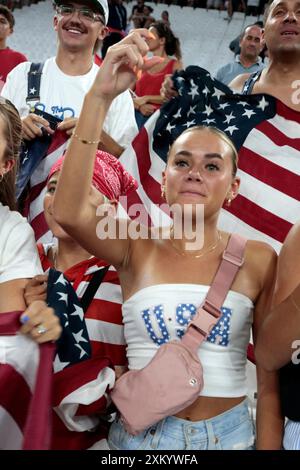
{"points": [[65, 80], [67, 77]]}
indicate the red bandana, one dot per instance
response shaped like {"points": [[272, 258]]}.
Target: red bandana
{"points": [[109, 177]]}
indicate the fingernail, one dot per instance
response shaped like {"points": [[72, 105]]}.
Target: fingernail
{"points": [[24, 318]]}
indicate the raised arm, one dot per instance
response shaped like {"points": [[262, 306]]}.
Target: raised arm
{"points": [[269, 422], [72, 207], [281, 328]]}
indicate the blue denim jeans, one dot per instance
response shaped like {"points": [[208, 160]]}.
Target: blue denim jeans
{"points": [[232, 430]]}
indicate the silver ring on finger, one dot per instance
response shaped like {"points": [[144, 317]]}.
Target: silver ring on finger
{"points": [[41, 329]]}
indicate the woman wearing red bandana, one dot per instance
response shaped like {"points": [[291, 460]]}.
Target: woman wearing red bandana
{"points": [[103, 317]]}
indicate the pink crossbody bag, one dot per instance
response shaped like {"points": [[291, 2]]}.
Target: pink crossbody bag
{"points": [[173, 378]]}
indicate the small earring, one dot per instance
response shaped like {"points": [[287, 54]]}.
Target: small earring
{"points": [[228, 202], [1, 177], [163, 192]]}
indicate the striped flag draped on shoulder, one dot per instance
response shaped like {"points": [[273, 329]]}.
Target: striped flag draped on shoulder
{"points": [[265, 133]]}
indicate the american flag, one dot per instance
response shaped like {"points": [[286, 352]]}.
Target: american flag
{"points": [[80, 384], [266, 133], [25, 388], [80, 390], [36, 160], [74, 345]]}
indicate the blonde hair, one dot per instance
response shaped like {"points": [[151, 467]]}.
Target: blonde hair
{"points": [[12, 135], [222, 136]]}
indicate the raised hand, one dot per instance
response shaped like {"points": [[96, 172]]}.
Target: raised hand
{"points": [[167, 90], [122, 63]]}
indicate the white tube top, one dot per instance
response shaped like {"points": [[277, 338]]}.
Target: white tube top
{"points": [[160, 313]]}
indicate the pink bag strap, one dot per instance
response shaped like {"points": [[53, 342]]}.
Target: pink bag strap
{"points": [[209, 312]]}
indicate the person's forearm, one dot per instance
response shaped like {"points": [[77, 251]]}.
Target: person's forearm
{"points": [[72, 193], [155, 99], [108, 144], [275, 342], [269, 422]]}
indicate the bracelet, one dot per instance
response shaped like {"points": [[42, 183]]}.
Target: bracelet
{"points": [[84, 141], [294, 303]]}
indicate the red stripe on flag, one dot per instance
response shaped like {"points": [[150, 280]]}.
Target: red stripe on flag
{"points": [[250, 353], [13, 386], [39, 226], [142, 216], [270, 173], [108, 310], [57, 141], [278, 138], [36, 190], [286, 112], [140, 147], [259, 218], [150, 185], [115, 352], [96, 407], [71, 378]]}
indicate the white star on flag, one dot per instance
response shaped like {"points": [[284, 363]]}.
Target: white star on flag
{"points": [[231, 129], [79, 338], [191, 110], [178, 114], [194, 90], [190, 123], [208, 110], [58, 364], [205, 91], [218, 93], [248, 113], [229, 117], [61, 280], [209, 121], [242, 103], [67, 321], [263, 103], [82, 351], [170, 127], [63, 297], [78, 311], [223, 106]]}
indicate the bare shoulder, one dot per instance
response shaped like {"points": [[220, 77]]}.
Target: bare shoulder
{"points": [[290, 254], [256, 248], [238, 82], [293, 237], [261, 256], [288, 275]]}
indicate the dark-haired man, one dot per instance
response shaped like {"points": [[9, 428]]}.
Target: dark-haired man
{"points": [[282, 37], [8, 57], [248, 61]]}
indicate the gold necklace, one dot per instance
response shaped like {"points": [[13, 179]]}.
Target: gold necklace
{"points": [[209, 249]]}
